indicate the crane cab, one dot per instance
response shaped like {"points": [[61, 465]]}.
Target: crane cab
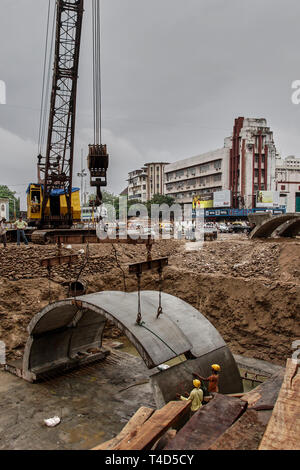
{"points": [[34, 203], [56, 207]]}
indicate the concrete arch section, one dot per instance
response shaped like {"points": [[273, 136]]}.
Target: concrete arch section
{"points": [[267, 228], [290, 228], [66, 333]]}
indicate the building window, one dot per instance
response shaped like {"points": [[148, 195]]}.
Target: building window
{"points": [[191, 172], [283, 188], [217, 177], [204, 168]]}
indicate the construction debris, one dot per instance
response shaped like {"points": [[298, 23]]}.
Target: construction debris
{"points": [[147, 427], [52, 422], [208, 424]]}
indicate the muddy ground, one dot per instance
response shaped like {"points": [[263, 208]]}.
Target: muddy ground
{"points": [[94, 403], [249, 290]]}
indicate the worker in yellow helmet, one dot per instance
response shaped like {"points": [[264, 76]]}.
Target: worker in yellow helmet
{"points": [[213, 379], [196, 396]]}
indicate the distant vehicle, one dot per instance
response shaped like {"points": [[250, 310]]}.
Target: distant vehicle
{"points": [[166, 228], [148, 231], [223, 228], [210, 232], [238, 227]]}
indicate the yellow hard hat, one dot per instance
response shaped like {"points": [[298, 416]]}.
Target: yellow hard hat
{"points": [[216, 367], [196, 383]]}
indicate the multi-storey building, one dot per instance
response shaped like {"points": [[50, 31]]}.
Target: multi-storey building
{"points": [[288, 182], [197, 176], [244, 166], [252, 161], [144, 183]]}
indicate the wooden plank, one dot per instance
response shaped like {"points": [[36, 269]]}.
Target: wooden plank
{"points": [[283, 431], [144, 437], [150, 265], [208, 424], [265, 395], [59, 260], [140, 417], [245, 434]]}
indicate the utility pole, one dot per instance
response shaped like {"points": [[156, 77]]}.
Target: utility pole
{"points": [[82, 175]]}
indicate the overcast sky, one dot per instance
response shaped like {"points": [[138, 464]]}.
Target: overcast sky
{"points": [[175, 75]]}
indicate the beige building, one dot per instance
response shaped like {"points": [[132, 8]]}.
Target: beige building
{"points": [[198, 175], [144, 183], [288, 182]]}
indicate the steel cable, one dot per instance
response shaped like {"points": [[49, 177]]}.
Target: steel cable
{"points": [[97, 101], [46, 86], [44, 77]]}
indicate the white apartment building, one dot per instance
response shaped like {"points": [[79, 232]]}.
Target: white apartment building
{"points": [[245, 165], [144, 183], [288, 182]]}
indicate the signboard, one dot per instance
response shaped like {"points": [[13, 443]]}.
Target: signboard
{"points": [[222, 198], [268, 199], [205, 201]]}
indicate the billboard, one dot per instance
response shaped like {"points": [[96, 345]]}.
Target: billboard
{"points": [[268, 199], [205, 201], [222, 198]]}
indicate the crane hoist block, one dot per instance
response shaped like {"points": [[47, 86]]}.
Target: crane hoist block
{"points": [[98, 160]]}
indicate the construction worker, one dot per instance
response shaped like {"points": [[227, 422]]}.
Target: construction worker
{"points": [[3, 232], [213, 379], [21, 225], [196, 396]]}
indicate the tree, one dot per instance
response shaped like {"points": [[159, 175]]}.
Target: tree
{"points": [[160, 199], [14, 203]]}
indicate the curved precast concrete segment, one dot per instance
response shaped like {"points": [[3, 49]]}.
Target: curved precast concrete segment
{"points": [[65, 329], [289, 229], [266, 229]]}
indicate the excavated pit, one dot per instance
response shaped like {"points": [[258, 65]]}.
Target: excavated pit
{"points": [[248, 290]]}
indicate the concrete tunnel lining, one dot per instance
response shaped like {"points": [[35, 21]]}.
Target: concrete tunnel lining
{"points": [[63, 329], [290, 228], [269, 226]]}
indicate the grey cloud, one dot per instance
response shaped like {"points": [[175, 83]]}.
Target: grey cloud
{"points": [[175, 75]]}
